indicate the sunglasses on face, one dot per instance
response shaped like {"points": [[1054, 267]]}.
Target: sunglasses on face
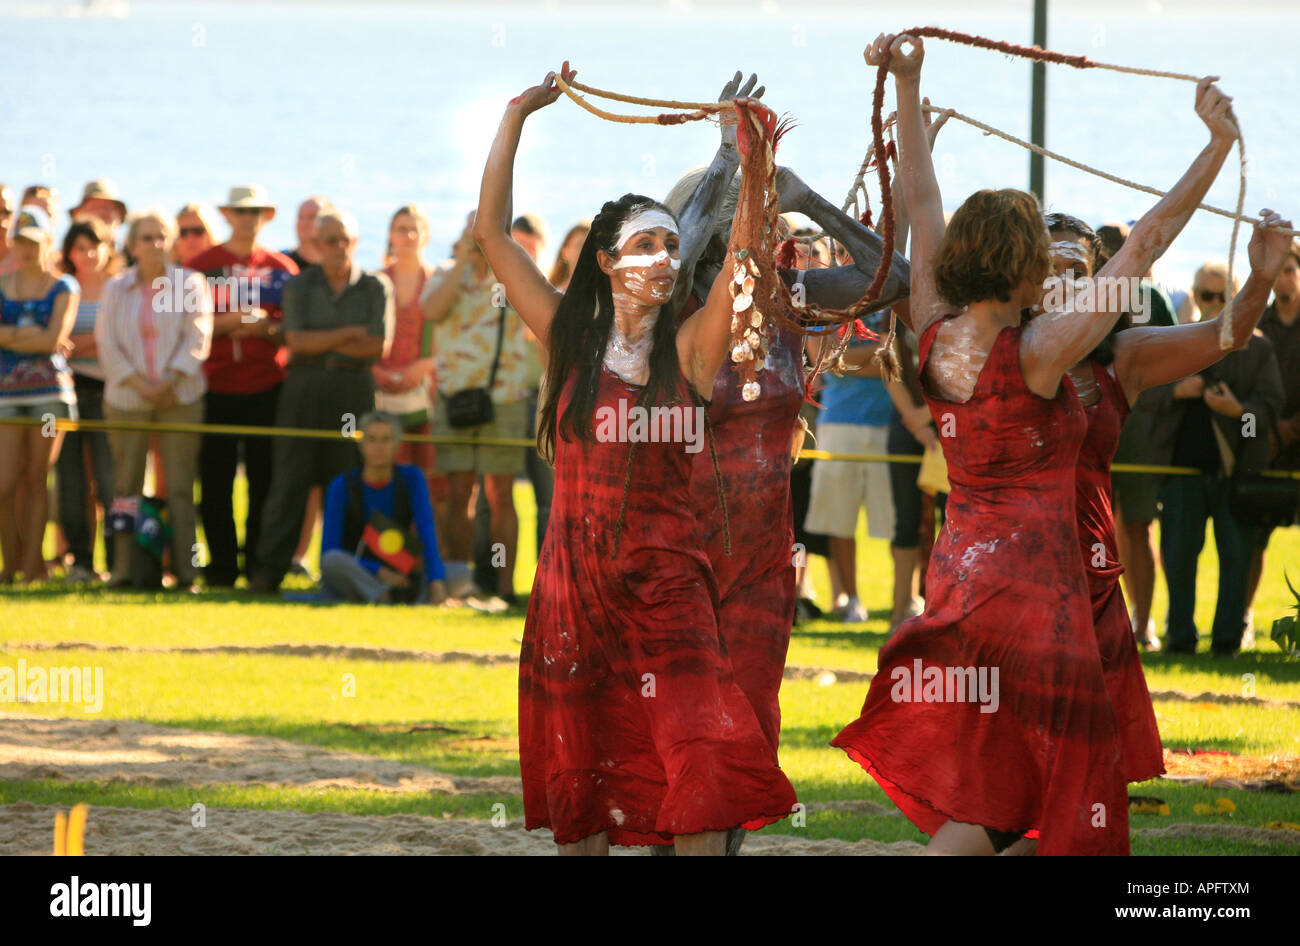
{"points": [[186, 232], [246, 211], [1206, 296]]}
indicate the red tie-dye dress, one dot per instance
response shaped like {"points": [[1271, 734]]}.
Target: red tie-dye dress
{"points": [[1141, 757], [756, 581], [630, 718], [991, 707]]}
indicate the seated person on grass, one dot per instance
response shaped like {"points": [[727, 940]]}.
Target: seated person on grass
{"points": [[378, 543]]}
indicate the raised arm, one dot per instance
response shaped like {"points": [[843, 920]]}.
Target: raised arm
{"points": [[527, 288], [917, 181], [1154, 355], [1153, 234], [699, 217], [839, 286], [704, 339], [836, 287]]}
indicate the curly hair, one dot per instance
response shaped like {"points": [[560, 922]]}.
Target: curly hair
{"points": [[995, 242]]}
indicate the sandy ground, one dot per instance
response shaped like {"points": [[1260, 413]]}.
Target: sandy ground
{"points": [[114, 750], [28, 829], [106, 750]]}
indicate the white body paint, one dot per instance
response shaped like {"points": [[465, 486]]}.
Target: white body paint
{"points": [[956, 360], [630, 358]]}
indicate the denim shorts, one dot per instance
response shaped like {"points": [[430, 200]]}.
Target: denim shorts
{"points": [[57, 408]]}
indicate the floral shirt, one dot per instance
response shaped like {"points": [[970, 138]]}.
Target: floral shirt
{"points": [[466, 339]]}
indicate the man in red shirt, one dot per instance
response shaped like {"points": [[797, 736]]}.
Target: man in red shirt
{"points": [[244, 372]]}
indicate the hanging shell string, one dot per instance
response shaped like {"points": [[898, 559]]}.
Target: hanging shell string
{"points": [[622, 506], [717, 478]]}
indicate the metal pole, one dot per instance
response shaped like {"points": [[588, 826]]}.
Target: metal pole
{"points": [[1038, 103]]}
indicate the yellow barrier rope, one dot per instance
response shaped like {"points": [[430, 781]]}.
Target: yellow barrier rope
{"points": [[308, 434]]}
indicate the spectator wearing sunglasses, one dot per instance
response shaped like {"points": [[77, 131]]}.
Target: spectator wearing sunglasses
{"points": [[196, 232], [1201, 421], [245, 372]]}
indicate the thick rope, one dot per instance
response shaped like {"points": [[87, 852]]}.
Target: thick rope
{"points": [[1079, 165], [702, 110], [1079, 62]]}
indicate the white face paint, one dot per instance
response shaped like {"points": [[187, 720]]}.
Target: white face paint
{"points": [[644, 276], [645, 220], [1070, 250], [645, 261]]}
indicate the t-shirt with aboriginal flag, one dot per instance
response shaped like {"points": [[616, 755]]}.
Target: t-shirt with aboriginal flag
{"points": [[245, 365]]}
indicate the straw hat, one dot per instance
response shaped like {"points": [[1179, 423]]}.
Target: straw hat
{"points": [[103, 189], [248, 195]]}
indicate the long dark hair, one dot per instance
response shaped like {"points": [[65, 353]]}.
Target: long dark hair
{"points": [[580, 333]]}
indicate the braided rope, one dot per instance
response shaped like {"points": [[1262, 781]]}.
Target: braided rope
{"points": [[702, 110], [1113, 178], [638, 100]]}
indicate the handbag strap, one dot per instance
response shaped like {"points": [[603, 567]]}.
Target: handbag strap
{"points": [[496, 356]]}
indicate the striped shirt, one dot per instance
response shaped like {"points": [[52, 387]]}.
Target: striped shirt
{"points": [[85, 325], [151, 331]]}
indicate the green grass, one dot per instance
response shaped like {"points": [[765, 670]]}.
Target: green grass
{"points": [[460, 717]]}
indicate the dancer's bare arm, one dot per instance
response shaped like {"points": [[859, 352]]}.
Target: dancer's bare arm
{"points": [[917, 181], [1153, 234], [527, 288], [1154, 355], [699, 217], [704, 339]]}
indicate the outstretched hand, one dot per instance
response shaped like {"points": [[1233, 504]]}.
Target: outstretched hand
{"points": [[735, 90], [903, 64], [540, 96], [1269, 246], [1215, 109]]}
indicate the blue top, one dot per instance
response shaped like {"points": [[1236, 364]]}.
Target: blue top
{"points": [[336, 508], [852, 399], [27, 378]]}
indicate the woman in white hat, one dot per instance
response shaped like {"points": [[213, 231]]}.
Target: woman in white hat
{"points": [[37, 305]]}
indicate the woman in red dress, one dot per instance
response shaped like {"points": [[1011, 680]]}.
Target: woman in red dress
{"points": [[1108, 383], [989, 715], [632, 729], [753, 439]]}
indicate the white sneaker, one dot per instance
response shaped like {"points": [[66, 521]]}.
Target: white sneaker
{"points": [[460, 581], [854, 612]]}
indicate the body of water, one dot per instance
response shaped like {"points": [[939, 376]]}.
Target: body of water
{"points": [[375, 105]]}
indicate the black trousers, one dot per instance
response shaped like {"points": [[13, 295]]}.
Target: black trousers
{"points": [[218, 459], [323, 399], [78, 529]]}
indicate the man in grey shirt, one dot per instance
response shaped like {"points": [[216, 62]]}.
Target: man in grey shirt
{"points": [[338, 321]]}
